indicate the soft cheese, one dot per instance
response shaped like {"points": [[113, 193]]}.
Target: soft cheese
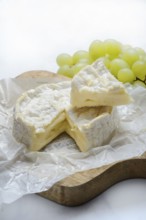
{"points": [[96, 86], [91, 127], [43, 113], [39, 114]]}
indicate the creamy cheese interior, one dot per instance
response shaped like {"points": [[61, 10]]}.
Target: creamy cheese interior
{"points": [[91, 127]]}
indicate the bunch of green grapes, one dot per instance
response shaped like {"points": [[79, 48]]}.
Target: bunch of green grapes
{"points": [[126, 63]]}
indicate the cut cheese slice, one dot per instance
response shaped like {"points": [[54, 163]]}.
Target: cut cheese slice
{"points": [[39, 114], [96, 86], [91, 127]]}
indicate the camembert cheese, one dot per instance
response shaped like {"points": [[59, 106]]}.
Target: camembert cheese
{"points": [[96, 86], [43, 113]]}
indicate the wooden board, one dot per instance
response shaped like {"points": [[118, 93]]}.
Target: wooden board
{"points": [[84, 186]]}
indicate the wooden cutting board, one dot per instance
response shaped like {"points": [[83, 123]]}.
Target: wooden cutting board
{"points": [[84, 186]]}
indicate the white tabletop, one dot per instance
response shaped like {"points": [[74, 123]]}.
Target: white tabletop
{"points": [[32, 34]]}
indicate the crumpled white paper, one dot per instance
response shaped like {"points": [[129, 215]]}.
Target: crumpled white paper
{"points": [[23, 172]]}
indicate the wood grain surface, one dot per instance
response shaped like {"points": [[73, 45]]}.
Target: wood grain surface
{"points": [[81, 187]]}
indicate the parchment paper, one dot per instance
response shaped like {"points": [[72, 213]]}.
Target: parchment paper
{"points": [[23, 172]]}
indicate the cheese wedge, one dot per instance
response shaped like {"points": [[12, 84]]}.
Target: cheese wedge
{"points": [[91, 127], [39, 114], [96, 86]]}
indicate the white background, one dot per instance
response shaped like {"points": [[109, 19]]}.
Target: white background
{"points": [[32, 34]]}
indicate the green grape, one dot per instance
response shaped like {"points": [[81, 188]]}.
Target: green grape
{"points": [[116, 65], [139, 83], [139, 69], [130, 56], [125, 62], [85, 61], [64, 59], [79, 55], [125, 47], [91, 60], [112, 47], [106, 61], [77, 67], [96, 50], [143, 58], [140, 51], [65, 71], [126, 75]]}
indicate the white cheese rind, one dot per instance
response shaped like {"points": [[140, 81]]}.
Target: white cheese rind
{"points": [[91, 127], [96, 86]]}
